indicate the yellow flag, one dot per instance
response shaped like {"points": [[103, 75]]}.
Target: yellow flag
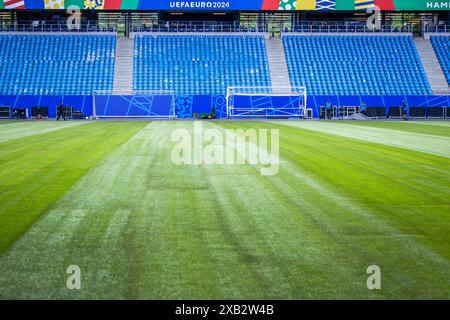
{"points": [[306, 5], [54, 4], [93, 4]]}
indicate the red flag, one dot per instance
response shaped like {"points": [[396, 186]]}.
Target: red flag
{"points": [[14, 4], [270, 5], [112, 4], [385, 4]]}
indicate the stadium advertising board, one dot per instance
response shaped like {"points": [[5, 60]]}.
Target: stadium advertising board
{"points": [[218, 5]]}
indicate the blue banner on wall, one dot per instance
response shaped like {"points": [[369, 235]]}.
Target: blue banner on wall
{"points": [[134, 106], [185, 106]]}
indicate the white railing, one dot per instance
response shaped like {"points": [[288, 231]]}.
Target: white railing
{"points": [[197, 26], [50, 26], [441, 28], [337, 27]]}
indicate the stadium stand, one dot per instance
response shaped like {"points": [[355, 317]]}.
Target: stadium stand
{"points": [[56, 64], [205, 64], [355, 64], [441, 45]]}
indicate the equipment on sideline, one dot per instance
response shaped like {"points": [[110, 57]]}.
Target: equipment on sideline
{"points": [[5, 112], [39, 112]]}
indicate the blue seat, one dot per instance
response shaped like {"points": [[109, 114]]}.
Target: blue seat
{"points": [[441, 45], [56, 64], [355, 65], [206, 64]]}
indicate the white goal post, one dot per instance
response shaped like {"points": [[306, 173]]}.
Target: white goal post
{"points": [[266, 102], [158, 104]]}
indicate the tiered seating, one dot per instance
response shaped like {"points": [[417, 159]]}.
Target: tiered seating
{"points": [[206, 64], [355, 65], [56, 64], [441, 45]]}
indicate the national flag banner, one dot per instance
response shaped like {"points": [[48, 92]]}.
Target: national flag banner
{"points": [[112, 4], [14, 4], [364, 5], [34, 4], [346, 5], [2, 6], [93, 4], [306, 5], [54, 4], [325, 5], [76, 3], [271, 4], [385, 4], [287, 5], [129, 4]]}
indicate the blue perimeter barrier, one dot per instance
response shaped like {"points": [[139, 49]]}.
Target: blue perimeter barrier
{"points": [[185, 106]]}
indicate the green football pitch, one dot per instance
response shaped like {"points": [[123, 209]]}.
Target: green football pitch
{"points": [[107, 197]]}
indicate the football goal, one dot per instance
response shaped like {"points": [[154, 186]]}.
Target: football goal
{"points": [[134, 104], [266, 102]]}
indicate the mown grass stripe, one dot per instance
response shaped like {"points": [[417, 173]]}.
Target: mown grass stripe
{"points": [[8, 122], [402, 185], [437, 145], [24, 129], [39, 169], [438, 128], [440, 123]]}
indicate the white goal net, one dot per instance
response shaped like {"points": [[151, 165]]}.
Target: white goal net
{"points": [[266, 102], [134, 104]]}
